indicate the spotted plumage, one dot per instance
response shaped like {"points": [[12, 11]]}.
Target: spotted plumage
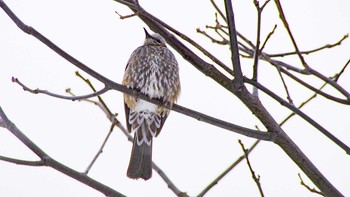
{"points": [[153, 71]]}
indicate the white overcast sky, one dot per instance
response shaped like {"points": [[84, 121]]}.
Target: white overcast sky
{"points": [[190, 152]]}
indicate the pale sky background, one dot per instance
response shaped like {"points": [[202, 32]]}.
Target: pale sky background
{"points": [[190, 152]]}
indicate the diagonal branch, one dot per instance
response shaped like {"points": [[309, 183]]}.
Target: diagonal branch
{"points": [[341, 144], [256, 179], [99, 152], [239, 159], [286, 25], [48, 161], [313, 190]]}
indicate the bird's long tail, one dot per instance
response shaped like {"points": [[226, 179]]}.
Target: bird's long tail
{"points": [[140, 165]]}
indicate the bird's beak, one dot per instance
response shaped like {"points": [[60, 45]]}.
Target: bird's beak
{"points": [[147, 34]]}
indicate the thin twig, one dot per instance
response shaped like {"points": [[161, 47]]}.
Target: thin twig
{"points": [[284, 85], [125, 16], [218, 10], [88, 82], [268, 37], [286, 25], [327, 46], [257, 45], [336, 77], [73, 98], [313, 89], [214, 40], [256, 179], [224, 173], [99, 152], [313, 190]]}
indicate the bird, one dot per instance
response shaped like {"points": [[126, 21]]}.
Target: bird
{"points": [[151, 70]]}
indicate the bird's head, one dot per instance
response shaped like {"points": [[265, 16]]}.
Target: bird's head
{"points": [[154, 39]]}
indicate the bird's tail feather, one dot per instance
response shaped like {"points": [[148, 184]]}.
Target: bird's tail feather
{"points": [[140, 165]]}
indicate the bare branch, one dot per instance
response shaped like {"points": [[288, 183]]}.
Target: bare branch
{"points": [[313, 190], [99, 152], [257, 50], [110, 115], [282, 65], [48, 161], [286, 25], [73, 98], [284, 85], [236, 63], [327, 46], [337, 76], [221, 42], [125, 16], [268, 37], [341, 144], [168, 181], [2, 123], [232, 166], [256, 179], [22, 162], [218, 10]]}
